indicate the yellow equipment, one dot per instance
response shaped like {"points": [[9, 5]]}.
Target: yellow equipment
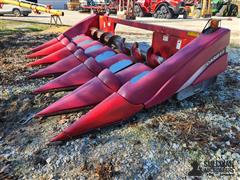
{"points": [[206, 8], [203, 11], [73, 5], [34, 6]]}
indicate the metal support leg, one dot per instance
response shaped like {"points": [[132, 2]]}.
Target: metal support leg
{"points": [[55, 19]]}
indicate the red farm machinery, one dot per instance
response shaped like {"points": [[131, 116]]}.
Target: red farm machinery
{"points": [[165, 9], [99, 6], [118, 81]]}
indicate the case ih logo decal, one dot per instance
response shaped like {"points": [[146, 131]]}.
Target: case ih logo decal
{"points": [[215, 57]]}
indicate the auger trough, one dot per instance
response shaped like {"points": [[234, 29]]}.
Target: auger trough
{"points": [[120, 81]]}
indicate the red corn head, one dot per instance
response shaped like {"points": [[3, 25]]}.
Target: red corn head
{"points": [[94, 91], [46, 51], [79, 75], [110, 111], [60, 67], [67, 63], [71, 48], [52, 58], [65, 52], [91, 93], [73, 78], [46, 44]]}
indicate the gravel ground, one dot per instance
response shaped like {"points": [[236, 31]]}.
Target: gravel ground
{"points": [[160, 142]]}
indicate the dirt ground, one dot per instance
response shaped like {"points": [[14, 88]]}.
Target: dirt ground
{"points": [[158, 143]]}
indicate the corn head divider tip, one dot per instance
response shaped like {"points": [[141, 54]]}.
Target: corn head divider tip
{"points": [[120, 81]]}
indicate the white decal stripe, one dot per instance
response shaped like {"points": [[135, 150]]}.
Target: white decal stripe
{"points": [[193, 77], [200, 70]]}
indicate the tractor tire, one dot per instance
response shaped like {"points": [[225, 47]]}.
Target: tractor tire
{"points": [[233, 10], [175, 16], [138, 11], [164, 12], [17, 12], [222, 11], [196, 13], [25, 14], [185, 15]]}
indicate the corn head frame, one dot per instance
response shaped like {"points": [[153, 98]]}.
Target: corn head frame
{"points": [[120, 81]]}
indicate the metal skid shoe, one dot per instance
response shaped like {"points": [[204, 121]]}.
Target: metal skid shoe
{"points": [[195, 89], [119, 82]]}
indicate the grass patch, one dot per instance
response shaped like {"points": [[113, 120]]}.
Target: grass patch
{"points": [[234, 45], [11, 27]]}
